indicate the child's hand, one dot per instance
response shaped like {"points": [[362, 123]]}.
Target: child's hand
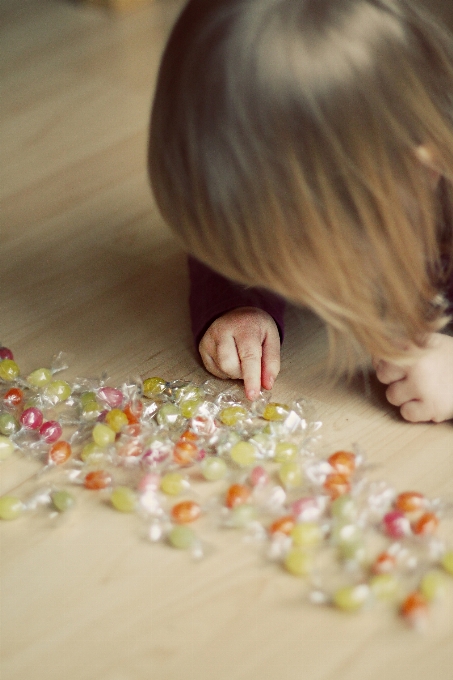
{"points": [[243, 343], [423, 390]]}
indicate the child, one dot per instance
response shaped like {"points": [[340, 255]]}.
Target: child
{"points": [[304, 149]]}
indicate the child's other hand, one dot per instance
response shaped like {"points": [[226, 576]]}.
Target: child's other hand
{"points": [[423, 390], [243, 343]]}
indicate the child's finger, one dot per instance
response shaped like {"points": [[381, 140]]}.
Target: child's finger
{"points": [[415, 411], [388, 373], [250, 358], [226, 357], [212, 367], [270, 360]]}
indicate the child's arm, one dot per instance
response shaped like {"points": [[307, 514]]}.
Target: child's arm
{"points": [[238, 330], [423, 389]]}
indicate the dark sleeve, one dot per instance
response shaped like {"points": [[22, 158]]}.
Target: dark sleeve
{"points": [[211, 295]]}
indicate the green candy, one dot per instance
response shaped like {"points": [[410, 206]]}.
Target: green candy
{"points": [[384, 586], [62, 500], [181, 537], [242, 515], [232, 415], [8, 424], [40, 377], [189, 407], [58, 390], [168, 414], [243, 453], [213, 468]]}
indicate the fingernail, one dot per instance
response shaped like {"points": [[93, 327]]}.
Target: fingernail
{"points": [[252, 395], [271, 383]]}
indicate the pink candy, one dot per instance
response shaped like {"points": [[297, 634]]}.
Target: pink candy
{"points": [[112, 396], [6, 353], [32, 418], [396, 524], [50, 431], [259, 476]]}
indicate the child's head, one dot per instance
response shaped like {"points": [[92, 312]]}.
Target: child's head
{"points": [[289, 148]]}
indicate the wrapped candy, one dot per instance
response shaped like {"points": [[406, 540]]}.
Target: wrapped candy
{"points": [[173, 452]]}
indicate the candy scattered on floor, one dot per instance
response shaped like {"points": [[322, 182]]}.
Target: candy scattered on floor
{"points": [[175, 452]]}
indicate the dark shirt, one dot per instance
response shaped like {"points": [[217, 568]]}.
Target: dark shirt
{"points": [[212, 295]]}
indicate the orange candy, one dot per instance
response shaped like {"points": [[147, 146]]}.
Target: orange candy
{"points": [[133, 412], [185, 512], [384, 563], [131, 448], [98, 479], [342, 462], [414, 608], [185, 452], [13, 397], [426, 524], [282, 525], [188, 436], [337, 485], [410, 501], [60, 452], [237, 494]]}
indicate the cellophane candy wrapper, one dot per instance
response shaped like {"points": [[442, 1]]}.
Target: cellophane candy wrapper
{"points": [[189, 459]]}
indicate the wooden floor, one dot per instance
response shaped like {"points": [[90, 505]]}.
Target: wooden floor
{"points": [[87, 266]]}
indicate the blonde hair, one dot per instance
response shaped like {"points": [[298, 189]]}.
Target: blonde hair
{"points": [[283, 153]]}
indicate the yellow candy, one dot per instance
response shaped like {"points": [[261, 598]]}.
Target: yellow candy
{"points": [[384, 586], [173, 483], [274, 411], [447, 562], [290, 475], [433, 585], [11, 507], [189, 407], [232, 415], [351, 598], [306, 534], [91, 450], [153, 386], [116, 419], [9, 370], [298, 562], [124, 499], [243, 453], [103, 435], [285, 451]]}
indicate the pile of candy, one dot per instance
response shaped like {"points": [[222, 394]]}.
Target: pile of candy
{"points": [[175, 452]]}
